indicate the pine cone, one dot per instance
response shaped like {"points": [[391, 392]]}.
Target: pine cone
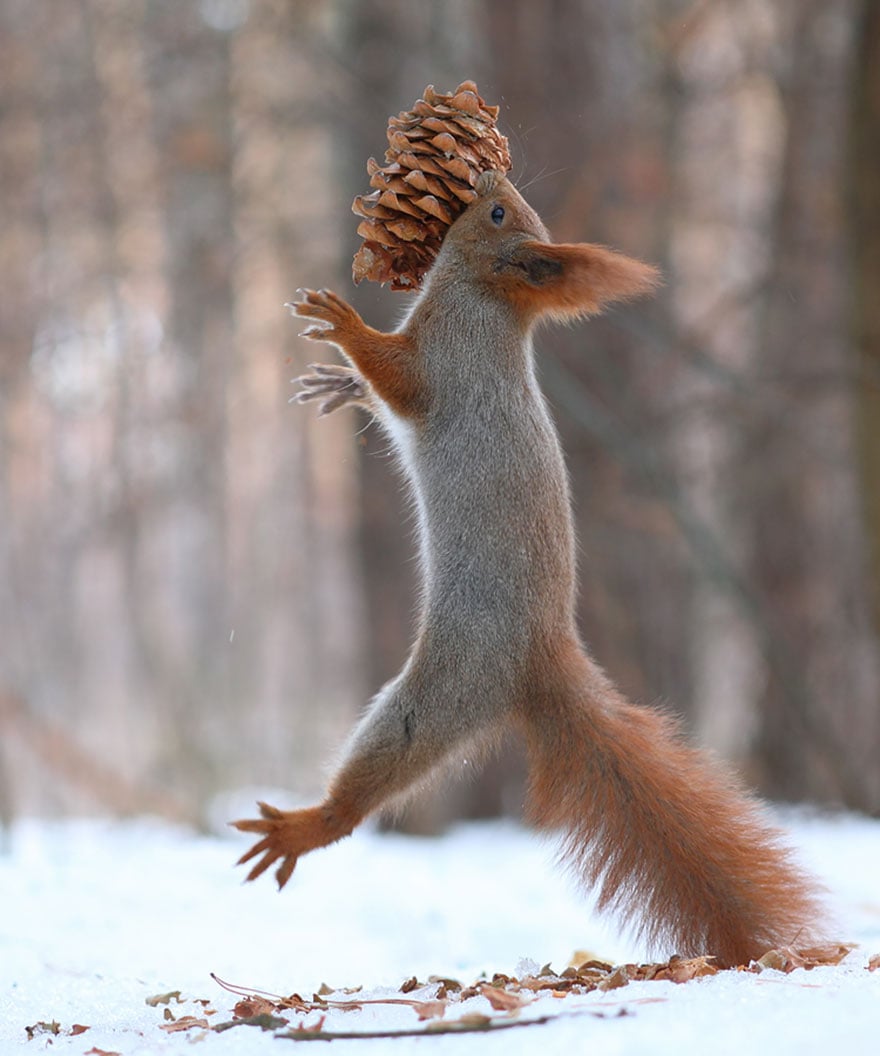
{"points": [[436, 152]]}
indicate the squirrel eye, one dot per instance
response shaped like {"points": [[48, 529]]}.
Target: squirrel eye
{"points": [[497, 214]]}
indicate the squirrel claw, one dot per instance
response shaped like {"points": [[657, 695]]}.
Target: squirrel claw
{"points": [[285, 835], [335, 385], [326, 307]]}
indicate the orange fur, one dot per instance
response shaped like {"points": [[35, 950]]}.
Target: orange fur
{"points": [[289, 834], [567, 281], [388, 361], [659, 828]]}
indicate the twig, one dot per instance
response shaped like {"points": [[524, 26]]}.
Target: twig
{"points": [[475, 1024]]}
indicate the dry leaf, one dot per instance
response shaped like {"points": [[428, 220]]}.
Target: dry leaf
{"points": [[874, 963], [95, 1051], [616, 979], [311, 1028], [293, 1002], [253, 1006], [501, 1000], [430, 1009], [264, 1022], [580, 958], [77, 1028], [473, 1020], [786, 959], [43, 1026], [831, 953], [185, 1023], [679, 970], [164, 999], [446, 983]]}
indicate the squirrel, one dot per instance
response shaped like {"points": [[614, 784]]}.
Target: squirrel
{"points": [[666, 836]]}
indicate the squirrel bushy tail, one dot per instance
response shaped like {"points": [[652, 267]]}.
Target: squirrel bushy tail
{"points": [[667, 839]]}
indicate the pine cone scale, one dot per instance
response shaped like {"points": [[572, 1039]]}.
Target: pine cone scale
{"points": [[435, 153]]}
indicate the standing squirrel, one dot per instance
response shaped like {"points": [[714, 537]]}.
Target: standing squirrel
{"points": [[669, 840]]}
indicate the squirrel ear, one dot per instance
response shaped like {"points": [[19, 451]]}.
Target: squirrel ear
{"points": [[568, 280]]}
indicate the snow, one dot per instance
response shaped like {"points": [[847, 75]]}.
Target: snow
{"points": [[100, 915]]}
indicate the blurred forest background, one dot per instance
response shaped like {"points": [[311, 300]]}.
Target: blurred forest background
{"points": [[201, 585]]}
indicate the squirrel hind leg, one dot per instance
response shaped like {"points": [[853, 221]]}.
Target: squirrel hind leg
{"points": [[666, 837]]}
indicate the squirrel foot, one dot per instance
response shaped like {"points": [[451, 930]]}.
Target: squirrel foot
{"points": [[286, 835], [335, 385]]}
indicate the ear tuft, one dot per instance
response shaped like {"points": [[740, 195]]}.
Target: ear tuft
{"points": [[565, 281]]}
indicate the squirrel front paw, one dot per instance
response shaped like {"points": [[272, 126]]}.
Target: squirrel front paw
{"points": [[335, 385], [337, 320]]}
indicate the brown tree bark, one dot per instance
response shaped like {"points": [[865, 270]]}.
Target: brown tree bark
{"points": [[819, 716], [864, 217]]}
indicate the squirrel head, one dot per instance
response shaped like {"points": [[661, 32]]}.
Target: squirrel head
{"points": [[503, 246]]}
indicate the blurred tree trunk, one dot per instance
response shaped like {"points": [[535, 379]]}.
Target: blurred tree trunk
{"points": [[295, 584], [725, 162], [808, 545], [190, 84], [865, 235], [178, 594]]}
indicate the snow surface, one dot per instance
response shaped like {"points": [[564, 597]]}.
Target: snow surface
{"points": [[97, 916]]}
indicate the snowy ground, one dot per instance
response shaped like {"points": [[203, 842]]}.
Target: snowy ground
{"points": [[99, 916]]}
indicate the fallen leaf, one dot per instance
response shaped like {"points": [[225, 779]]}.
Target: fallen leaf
{"points": [[616, 979], [95, 1051], [832, 953], [680, 970], [43, 1027], [311, 1028], [184, 1023], [874, 963], [253, 1006], [581, 959], [786, 959], [264, 1022], [430, 1009], [595, 966], [471, 1020], [446, 983], [501, 1000], [409, 985], [164, 999], [294, 1002]]}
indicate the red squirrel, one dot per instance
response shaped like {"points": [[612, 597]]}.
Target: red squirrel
{"points": [[667, 838]]}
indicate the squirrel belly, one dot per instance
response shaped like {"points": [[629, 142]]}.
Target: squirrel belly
{"points": [[666, 836]]}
